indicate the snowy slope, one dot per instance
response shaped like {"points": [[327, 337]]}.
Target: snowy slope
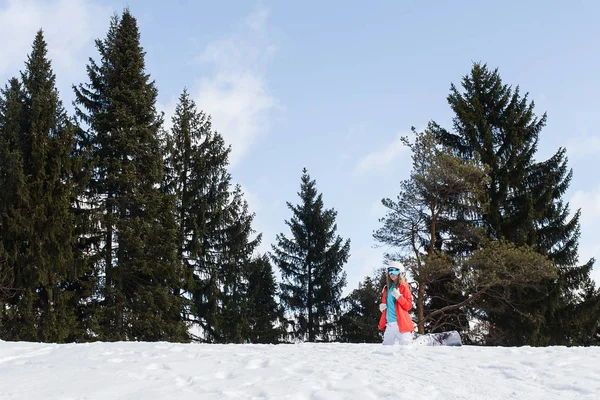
{"points": [[152, 371]]}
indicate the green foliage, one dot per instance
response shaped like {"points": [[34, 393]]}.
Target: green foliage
{"points": [[502, 263], [6, 276], [311, 264], [37, 220], [496, 126], [136, 255], [116, 230], [264, 316], [359, 322], [235, 251], [424, 223], [214, 234]]}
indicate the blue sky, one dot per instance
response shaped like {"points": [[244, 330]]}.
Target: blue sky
{"points": [[331, 86]]}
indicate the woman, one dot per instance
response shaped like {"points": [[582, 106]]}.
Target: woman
{"points": [[394, 307]]}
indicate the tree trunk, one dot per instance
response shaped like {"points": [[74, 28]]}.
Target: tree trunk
{"points": [[421, 307], [311, 331]]}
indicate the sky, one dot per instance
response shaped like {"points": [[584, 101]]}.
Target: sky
{"points": [[331, 86], [315, 371]]}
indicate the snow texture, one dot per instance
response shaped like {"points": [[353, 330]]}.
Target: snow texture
{"points": [[151, 371]]}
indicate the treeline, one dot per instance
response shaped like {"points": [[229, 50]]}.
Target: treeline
{"points": [[114, 228]]}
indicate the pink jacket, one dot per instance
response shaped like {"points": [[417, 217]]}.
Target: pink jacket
{"points": [[403, 305]]}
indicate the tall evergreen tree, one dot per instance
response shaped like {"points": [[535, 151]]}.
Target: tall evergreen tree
{"points": [[236, 248], [138, 248], [185, 165], [37, 219], [13, 220], [264, 315], [498, 125], [215, 243], [88, 239], [441, 187], [359, 321], [311, 264]]}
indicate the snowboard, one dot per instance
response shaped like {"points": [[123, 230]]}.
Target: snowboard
{"points": [[450, 338]]}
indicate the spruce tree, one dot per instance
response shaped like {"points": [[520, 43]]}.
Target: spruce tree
{"points": [[215, 234], [88, 239], [38, 222], [359, 321], [138, 248], [13, 221], [264, 315], [236, 248], [496, 124], [311, 264]]}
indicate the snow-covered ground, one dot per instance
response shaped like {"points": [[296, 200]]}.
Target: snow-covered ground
{"points": [[151, 371]]}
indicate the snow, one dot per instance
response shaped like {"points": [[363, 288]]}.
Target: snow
{"points": [[150, 371]]}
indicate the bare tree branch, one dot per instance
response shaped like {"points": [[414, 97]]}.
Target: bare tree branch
{"points": [[451, 307]]}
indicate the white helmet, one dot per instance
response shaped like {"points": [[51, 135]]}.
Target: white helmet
{"points": [[396, 265]]}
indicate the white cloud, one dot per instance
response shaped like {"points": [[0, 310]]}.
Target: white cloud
{"points": [[70, 27], [583, 147], [237, 95], [238, 103], [378, 160]]}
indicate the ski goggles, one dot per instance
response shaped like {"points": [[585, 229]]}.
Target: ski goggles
{"points": [[394, 271]]}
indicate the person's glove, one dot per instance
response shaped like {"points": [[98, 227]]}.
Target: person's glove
{"points": [[396, 293], [382, 306]]}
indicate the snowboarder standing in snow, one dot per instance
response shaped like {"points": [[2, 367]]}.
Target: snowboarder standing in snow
{"points": [[396, 301]]}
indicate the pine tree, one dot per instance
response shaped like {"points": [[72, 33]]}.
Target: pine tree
{"points": [[358, 323], [38, 221], [311, 264], [13, 221], [184, 168], [138, 248], [498, 125], [441, 188], [88, 239], [215, 244], [236, 248], [263, 314]]}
